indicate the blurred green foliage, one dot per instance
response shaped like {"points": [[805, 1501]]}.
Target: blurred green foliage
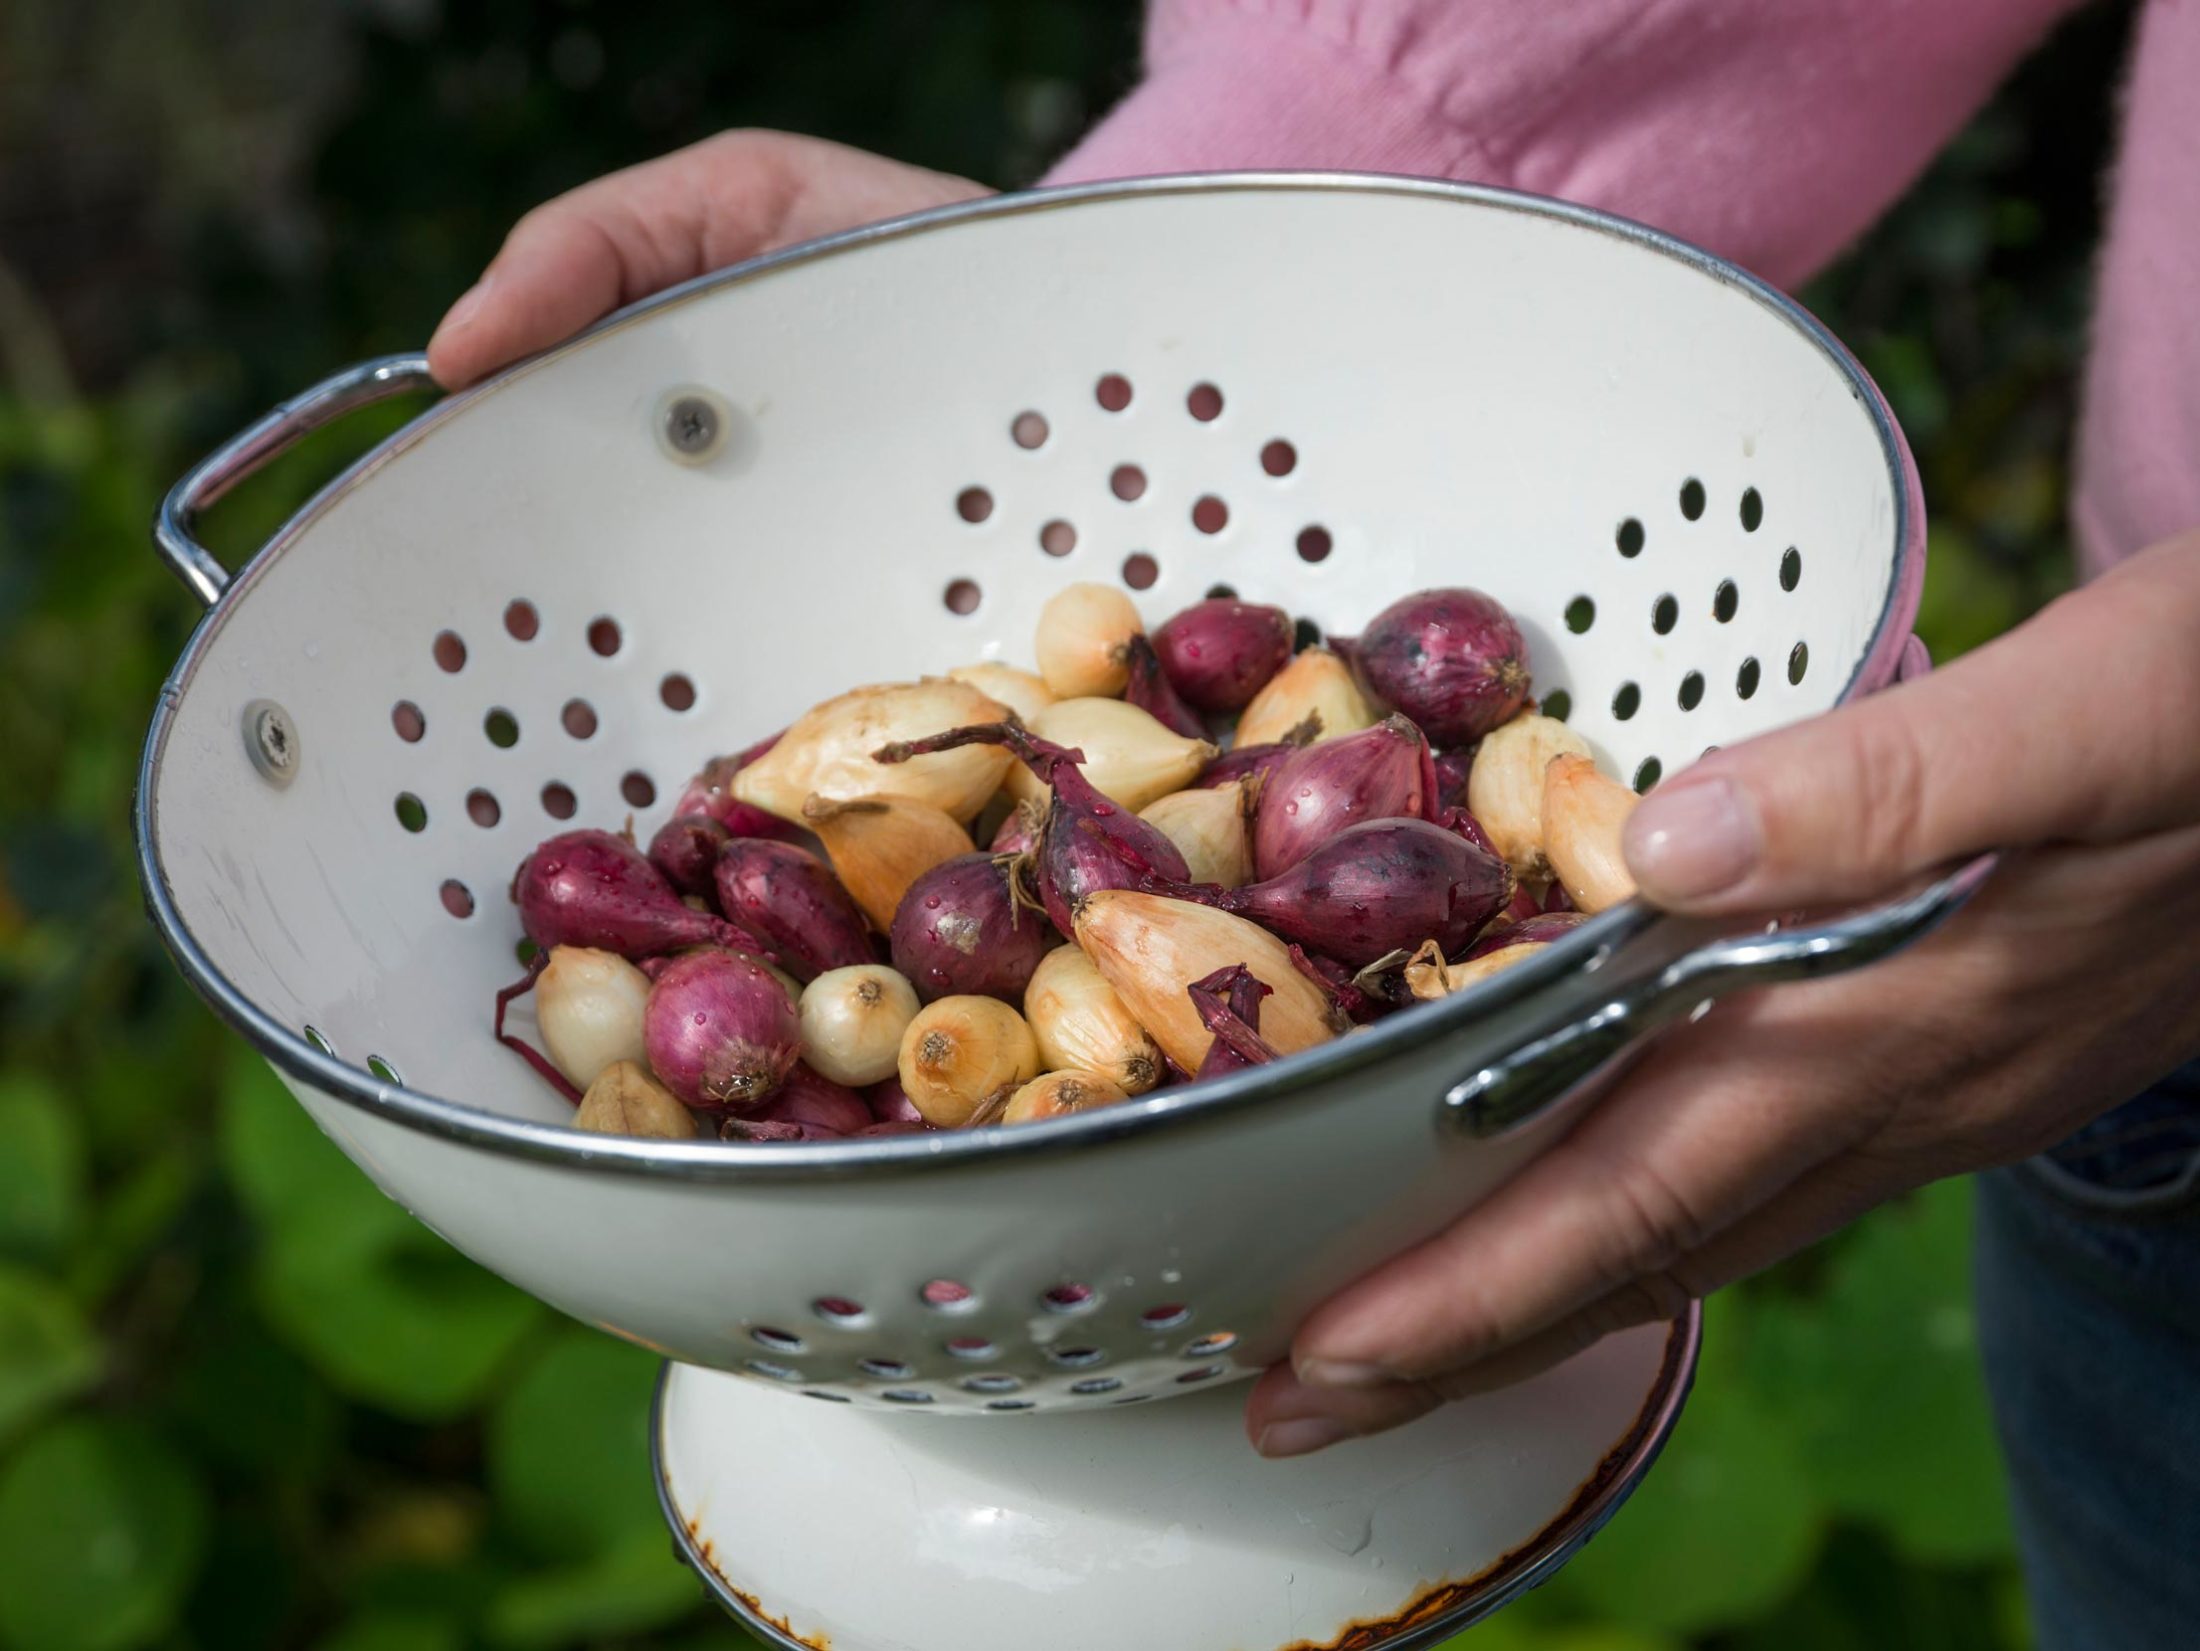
{"points": [[244, 1401]]}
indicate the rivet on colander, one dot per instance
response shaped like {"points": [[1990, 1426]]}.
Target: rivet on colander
{"points": [[271, 741], [777, 1340], [692, 426], [1207, 1346]]}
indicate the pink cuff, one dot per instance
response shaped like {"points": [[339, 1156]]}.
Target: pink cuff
{"points": [[1251, 92]]}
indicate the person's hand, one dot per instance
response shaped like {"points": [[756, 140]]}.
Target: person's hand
{"points": [[2071, 982], [652, 226]]}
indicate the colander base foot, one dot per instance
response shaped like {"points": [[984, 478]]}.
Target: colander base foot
{"points": [[1152, 1525]]}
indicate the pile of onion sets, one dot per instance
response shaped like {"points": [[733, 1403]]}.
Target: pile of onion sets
{"points": [[1012, 894]]}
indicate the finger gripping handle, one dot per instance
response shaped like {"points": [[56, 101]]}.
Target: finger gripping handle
{"points": [[252, 447], [1643, 993]]}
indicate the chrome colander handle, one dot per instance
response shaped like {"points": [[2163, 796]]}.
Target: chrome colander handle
{"points": [[1690, 963], [250, 448]]}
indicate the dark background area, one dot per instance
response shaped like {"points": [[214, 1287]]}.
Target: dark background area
{"points": [[244, 1401]]}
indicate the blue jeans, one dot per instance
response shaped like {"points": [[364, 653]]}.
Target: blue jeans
{"points": [[2089, 1322]]}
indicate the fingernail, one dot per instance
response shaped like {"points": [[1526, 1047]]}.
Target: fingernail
{"points": [[467, 310], [1341, 1373], [1300, 1438], [1692, 838]]}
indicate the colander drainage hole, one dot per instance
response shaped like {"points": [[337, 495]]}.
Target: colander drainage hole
{"points": [[1648, 773], [1315, 544], [457, 898], [1210, 514], [1207, 1346], [1279, 458], [1692, 498], [779, 1341], [1221, 593], [1665, 613], [521, 622], [1724, 601], [319, 1039], [1057, 538], [1753, 510], [990, 1384], [1691, 694], [1745, 679], [558, 801], [1076, 1358], [947, 1295], [1009, 1404], [1203, 1373], [890, 1370], [1629, 538], [963, 596], [1140, 570], [579, 719], [1627, 701], [1113, 392], [1165, 1317], [906, 1395], [1798, 661], [973, 504], [1581, 613], [412, 813], [407, 719], [502, 728], [677, 691], [1070, 1298], [1791, 568], [1096, 1384], [970, 1347], [829, 1398], [1028, 430], [839, 1310], [1557, 704], [1127, 482], [482, 809], [603, 636], [777, 1372], [450, 652], [637, 788], [384, 1070]]}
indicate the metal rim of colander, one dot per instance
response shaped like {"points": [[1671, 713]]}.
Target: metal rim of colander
{"points": [[1524, 1569], [708, 1161]]}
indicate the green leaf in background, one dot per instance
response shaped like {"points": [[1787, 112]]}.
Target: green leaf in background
{"points": [[102, 1526], [47, 1353], [624, 1589], [569, 1463], [380, 1305], [569, 1447], [41, 1169], [1968, 600], [1883, 1388], [1862, 1597], [1728, 1520], [396, 1631], [1515, 1629]]}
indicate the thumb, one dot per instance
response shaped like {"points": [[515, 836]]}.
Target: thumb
{"points": [[2007, 747]]}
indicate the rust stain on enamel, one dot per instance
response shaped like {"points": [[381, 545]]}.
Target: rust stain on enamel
{"points": [[1445, 1597], [756, 1609]]}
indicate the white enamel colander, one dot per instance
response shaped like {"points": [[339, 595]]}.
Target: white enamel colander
{"points": [[550, 598]]}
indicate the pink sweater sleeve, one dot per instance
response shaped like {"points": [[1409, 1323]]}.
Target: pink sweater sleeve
{"points": [[1771, 131]]}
